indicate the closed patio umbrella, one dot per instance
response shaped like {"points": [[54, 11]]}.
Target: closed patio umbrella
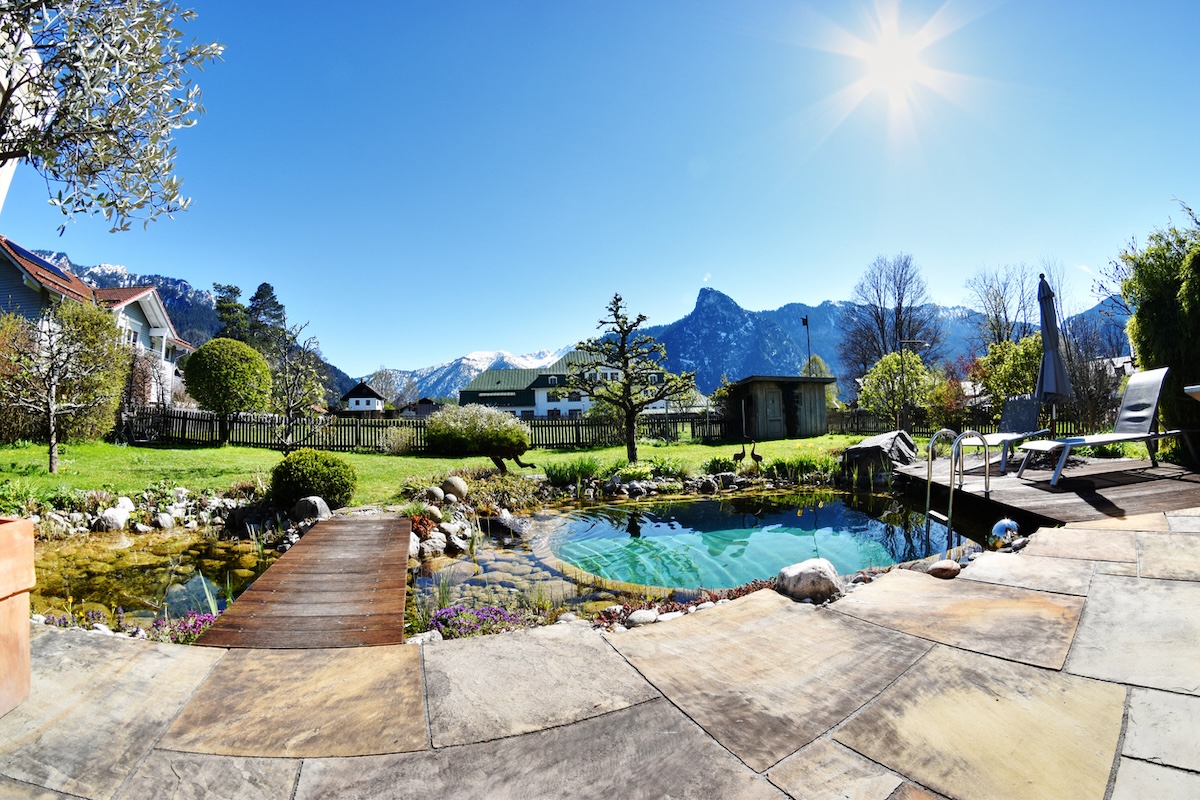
{"points": [[1053, 385]]}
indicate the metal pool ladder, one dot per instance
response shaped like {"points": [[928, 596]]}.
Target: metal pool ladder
{"points": [[956, 462]]}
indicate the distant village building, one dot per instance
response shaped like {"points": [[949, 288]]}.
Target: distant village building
{"points": [[363, 398], [420, 409], [29, 284], [536, 393], [765, 407]]}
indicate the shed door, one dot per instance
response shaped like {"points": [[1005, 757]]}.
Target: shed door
{"points": [[775, 429]]}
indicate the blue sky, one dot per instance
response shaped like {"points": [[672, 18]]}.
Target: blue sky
{"points": [[420, 180]]}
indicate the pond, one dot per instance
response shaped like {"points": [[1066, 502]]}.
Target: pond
{"points": [[718, 544], [144, 574]]}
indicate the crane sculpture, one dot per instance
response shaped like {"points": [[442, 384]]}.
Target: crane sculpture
{"points": [[756, 457], [737, 457]]}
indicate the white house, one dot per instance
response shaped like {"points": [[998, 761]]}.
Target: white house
{"points": [[363, 398], [536, 393]]}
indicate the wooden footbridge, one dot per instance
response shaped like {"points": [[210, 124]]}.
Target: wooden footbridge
{"points": [[341, 585]]}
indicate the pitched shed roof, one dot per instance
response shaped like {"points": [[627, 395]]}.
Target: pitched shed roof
{"points": [[46, 275], [363, 390]]}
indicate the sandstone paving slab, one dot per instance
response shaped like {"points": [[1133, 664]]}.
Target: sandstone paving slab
{"points": [[307, 703], [1062, 575], [975, 727], [765, 675], [649, 751], [1093, 544], [1170, 556], [1019, 624], [167, 775], [825, 770], [13, 790], [911, 791], [1163, 728], [96, 706], [1186, 523], [488, 687], [1139, 780], [1140, 632], [1125, 568], [1154, 521]]}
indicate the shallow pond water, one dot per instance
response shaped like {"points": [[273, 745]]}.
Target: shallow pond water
{"points": [[143, 573], [723, 543]]}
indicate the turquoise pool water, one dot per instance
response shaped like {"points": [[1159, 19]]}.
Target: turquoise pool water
{"points": [[720, 544]]}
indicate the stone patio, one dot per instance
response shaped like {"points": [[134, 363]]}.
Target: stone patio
{"points": [[1070, 670]]}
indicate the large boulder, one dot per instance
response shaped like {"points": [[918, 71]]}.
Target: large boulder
{"points": [[456, 486], [311, 507], [874, 458], [113, 519], [815, 580]]}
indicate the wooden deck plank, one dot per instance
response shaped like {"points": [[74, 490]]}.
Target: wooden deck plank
{"points": [[342, 585], [1102, 489]]}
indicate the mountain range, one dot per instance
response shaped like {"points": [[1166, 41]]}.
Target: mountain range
{"points": [[717, 339]]}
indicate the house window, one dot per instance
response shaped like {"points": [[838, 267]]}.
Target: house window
{"points": [[573, 397], [527, 414], [553, 380], [554, 395], [575, 413]]}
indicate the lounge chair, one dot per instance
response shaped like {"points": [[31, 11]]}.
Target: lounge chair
{"points": [[1018, 422], [1137, 421]]}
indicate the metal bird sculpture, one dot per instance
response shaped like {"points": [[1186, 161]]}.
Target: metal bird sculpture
{"points": [[737, 457], [756, 457]]}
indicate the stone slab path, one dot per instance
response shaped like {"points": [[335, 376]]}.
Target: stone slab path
{"points": [[1070, 670]]}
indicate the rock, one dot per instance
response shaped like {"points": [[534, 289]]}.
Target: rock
{"points": [[945, 569], [456, 486], [708, 486], [434, 545], [872, 459], [100, 627], [457, 544], [112, 519], [434, 495], [508, 524], [310, 507], [164, 520], [567, 616], [1019, 544], [726, 479], [815, 579], [434, 513], [424, 638], [613, 610], [141, 527], [670, 615], [38, 619], [643, 616], [126, 503], [704, 605]]}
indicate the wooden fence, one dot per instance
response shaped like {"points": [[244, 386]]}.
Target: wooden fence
{"points": [[189, 426]]}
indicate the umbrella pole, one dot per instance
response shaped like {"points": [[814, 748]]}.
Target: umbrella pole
{"points": [[1054, 420]]}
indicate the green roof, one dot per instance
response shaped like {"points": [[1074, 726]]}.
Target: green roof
{"points": [[505, 380]]}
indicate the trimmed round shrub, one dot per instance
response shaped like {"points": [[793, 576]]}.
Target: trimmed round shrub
{"points": [[475, 430], [227, 376], [307, 472]]}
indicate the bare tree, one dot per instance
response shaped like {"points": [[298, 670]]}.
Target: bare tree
{"points": [[1007, 299], [626, 369], [890, 304], [296, 385], [385, 381]]}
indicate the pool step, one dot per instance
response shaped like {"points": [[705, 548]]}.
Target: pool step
{"points": [[938, 516]]}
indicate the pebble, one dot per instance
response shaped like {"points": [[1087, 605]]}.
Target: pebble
{"points": [[643, 616], [670, 615]]}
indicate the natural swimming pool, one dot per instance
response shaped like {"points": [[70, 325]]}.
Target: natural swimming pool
{"points": [[729, 542]]}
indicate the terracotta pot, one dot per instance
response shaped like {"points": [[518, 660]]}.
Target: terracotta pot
{"points": [[17, 577]]}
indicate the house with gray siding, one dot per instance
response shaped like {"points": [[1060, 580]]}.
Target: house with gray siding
{"points": [[29, 284]]}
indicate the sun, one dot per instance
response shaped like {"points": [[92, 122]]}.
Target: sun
{"points": [[893, 68], [891, 63]]}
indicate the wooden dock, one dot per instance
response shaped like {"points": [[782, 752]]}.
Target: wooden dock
{"points": [[1098, 490], [341, 585]]}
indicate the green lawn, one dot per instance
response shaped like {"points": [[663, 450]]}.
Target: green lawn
{"points": [[128, 470]]}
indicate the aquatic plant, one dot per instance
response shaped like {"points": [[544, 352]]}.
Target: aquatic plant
{"points": [[572, 472]]}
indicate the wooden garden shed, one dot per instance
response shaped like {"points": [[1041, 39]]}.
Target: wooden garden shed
{"points": [[765, 407]]}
